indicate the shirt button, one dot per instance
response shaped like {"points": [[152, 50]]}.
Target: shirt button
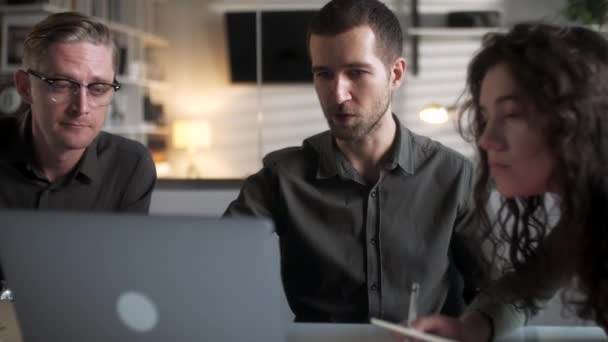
{"points": [[372, 241], [374, 287], [373, 194]]}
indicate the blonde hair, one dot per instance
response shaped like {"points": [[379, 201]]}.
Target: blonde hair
{"points": [[65, 27]]}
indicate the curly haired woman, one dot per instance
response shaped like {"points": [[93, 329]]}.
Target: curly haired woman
{"points": [[538, 114]]}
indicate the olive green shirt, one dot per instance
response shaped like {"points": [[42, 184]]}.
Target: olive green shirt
{"points": [[351, 250]]}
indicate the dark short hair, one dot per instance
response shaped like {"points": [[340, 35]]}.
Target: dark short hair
{"points": [[339, 16], [65, 27]]}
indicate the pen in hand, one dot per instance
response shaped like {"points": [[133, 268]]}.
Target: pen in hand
{"points": [[412, 314]]}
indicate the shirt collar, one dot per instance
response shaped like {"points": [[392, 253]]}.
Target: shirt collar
{"points": [[331, 160], [402, 154], [87, 168], [22, 151], [333, 163]]}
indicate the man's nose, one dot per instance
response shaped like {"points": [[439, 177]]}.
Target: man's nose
{"points": [[342, 88], [80, 101]]}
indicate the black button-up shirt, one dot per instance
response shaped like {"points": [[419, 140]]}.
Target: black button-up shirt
{"points": [[114, 174], [351, 250]]}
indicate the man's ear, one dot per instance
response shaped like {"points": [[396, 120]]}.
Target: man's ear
{"points": [[398, 70], [24, 86]]}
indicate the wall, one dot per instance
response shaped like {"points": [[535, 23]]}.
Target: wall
{"points": [[525, 10], [192, 202], [197, 66]]}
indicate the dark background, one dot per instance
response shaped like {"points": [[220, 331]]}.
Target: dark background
{"points": [[284, 52]]}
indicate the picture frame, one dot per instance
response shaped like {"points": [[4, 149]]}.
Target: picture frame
{"points": [[15, 28], [10, 100]]}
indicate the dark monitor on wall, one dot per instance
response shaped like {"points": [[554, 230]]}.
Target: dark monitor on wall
{"points": [[284, 52]]}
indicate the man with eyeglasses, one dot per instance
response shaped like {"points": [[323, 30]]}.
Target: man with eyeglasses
{"points": [[55, 157]]}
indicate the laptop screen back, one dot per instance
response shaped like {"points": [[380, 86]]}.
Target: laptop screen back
{"points": [[101, 277]]}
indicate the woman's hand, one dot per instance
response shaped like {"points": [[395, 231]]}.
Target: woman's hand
{"points": [[471, 327], [444, 326]]}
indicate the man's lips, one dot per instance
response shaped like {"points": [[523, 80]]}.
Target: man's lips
{"points": [[75, 124], [344, 116]]}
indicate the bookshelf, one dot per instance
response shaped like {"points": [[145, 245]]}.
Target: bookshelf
{"points": [[443, 32], [442, 29]]}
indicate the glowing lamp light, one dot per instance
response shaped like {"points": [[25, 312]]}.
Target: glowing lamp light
{"points": [[434, 114], [192, 135]]}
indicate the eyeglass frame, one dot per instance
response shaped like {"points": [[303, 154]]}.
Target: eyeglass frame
{"points": [[50, 80]]}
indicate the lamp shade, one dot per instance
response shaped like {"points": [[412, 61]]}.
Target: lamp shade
{"points": [[191, 134], [434, 114]]}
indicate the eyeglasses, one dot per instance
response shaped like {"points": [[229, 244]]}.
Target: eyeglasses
{"points": [[62, 90]]}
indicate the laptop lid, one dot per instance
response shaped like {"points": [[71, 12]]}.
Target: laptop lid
{"points": [[102, 277]]}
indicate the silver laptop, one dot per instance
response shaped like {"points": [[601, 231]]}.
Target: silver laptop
{"points": [[109, 277]]}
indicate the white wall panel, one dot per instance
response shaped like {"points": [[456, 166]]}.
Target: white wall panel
{"points": [[291, 112]]}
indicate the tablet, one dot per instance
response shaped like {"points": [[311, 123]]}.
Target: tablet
{"points": [[419, 335]]}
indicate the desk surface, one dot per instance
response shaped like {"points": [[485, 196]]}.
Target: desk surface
{"points": [[9, 332], [369, 333]]}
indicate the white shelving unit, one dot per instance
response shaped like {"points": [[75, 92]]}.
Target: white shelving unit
{"points": [[451, 31], [136, 41], [416, 32], [30, 8]]}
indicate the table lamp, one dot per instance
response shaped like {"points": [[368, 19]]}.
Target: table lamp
{"points": [[192, 135], [434, 114]]}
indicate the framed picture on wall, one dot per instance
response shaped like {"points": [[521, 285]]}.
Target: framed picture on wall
{"points": [[15, 28], [10, 101]]}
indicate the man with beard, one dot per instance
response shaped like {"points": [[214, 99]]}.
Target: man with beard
{"points": [[367, 209]]}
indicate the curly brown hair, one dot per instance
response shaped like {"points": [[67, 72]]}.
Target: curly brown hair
{"points": [[565, 72]]}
